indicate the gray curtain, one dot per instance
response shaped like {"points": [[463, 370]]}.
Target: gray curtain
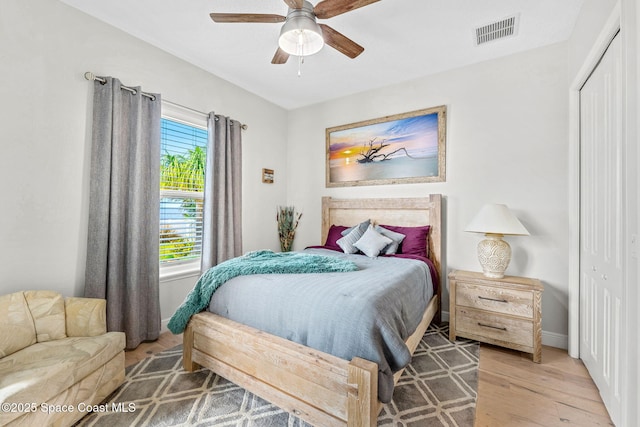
{"points": [[123, 243], [222, 227]]}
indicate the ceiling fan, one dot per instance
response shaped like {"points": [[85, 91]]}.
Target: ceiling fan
{"points": [[301, 35]]}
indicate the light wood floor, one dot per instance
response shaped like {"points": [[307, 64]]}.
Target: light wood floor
{"points": [[167, 340], [512, 390]]}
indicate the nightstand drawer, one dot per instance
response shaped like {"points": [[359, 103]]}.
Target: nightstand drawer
{"points": [[474, 323], [498, 300]]}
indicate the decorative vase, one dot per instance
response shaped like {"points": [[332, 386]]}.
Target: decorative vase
{"points": [[286, 242], [287, 219]]}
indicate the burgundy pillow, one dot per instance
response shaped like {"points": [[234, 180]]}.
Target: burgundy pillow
{"points": [[415, 242], [335, 233]]}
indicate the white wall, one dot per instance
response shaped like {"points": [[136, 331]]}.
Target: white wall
{"points": [[634, 412], [506, 142], [45, 48], [593, 15]]}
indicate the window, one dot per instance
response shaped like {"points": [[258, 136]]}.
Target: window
{"points": [[183, 149]]}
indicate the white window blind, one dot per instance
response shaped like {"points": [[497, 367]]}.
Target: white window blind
{"points": [[183, 158]]}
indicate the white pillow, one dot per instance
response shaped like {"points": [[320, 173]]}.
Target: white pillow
{"points": [[346, 242], [372, 242], [396, 238]]}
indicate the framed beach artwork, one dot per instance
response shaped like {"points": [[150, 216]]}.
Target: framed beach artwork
{"points": [[403, 148]]}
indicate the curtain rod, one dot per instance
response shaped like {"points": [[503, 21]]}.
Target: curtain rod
{"points": [[90, 76], [242, 125]]}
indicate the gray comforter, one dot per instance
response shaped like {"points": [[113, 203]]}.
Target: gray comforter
{"points": [[368, 313]]}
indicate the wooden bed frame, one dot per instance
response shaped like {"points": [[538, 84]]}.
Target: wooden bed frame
{"points": [[322, 389]]}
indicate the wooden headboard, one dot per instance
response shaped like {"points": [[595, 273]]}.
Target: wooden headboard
{"points": [[408, 212]]}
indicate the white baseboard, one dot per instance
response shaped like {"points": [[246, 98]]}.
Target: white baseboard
{"points": [[551, 339]]}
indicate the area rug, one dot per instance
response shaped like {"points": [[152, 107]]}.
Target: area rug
{"points": [[438, 388]]}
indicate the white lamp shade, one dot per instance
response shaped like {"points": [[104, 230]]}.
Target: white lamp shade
{"points": [[300, 36], [496, 219]]}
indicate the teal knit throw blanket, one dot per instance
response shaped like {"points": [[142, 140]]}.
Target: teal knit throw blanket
{"points": [[257, 262]]}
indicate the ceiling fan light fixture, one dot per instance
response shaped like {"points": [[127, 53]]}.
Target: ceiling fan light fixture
{"points": [[301, 35]]}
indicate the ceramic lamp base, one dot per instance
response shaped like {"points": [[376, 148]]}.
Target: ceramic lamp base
{"points": [[494, 255]]}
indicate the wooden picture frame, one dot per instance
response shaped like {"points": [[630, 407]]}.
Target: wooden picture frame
{"points": [[399, 149], [267, 176]]}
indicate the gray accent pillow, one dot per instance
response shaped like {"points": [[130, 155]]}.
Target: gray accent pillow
{"points": [[346, 242], [363, 227], [396, 239], [372, 242]]}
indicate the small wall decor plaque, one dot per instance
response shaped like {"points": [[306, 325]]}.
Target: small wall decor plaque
{"points": [[267, 176], [398, 149]]}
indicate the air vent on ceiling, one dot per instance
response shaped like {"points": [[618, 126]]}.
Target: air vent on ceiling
{"points": [[496, 30]]}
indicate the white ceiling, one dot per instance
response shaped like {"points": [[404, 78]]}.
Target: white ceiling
{"points": [[403, 40]]}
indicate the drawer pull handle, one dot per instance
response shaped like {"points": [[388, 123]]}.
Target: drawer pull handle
{"points": [[492, 327], [493, 299]]}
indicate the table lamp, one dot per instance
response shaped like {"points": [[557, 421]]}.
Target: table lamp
{"points": [[495, 221]]}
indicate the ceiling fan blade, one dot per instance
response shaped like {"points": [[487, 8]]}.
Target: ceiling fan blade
{"points": [[280, 57], [340, 42], [247, 17], [330, 8], [294, 4]]}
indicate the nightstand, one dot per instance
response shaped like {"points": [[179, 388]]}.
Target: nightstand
{"points": [[505, 312]]}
